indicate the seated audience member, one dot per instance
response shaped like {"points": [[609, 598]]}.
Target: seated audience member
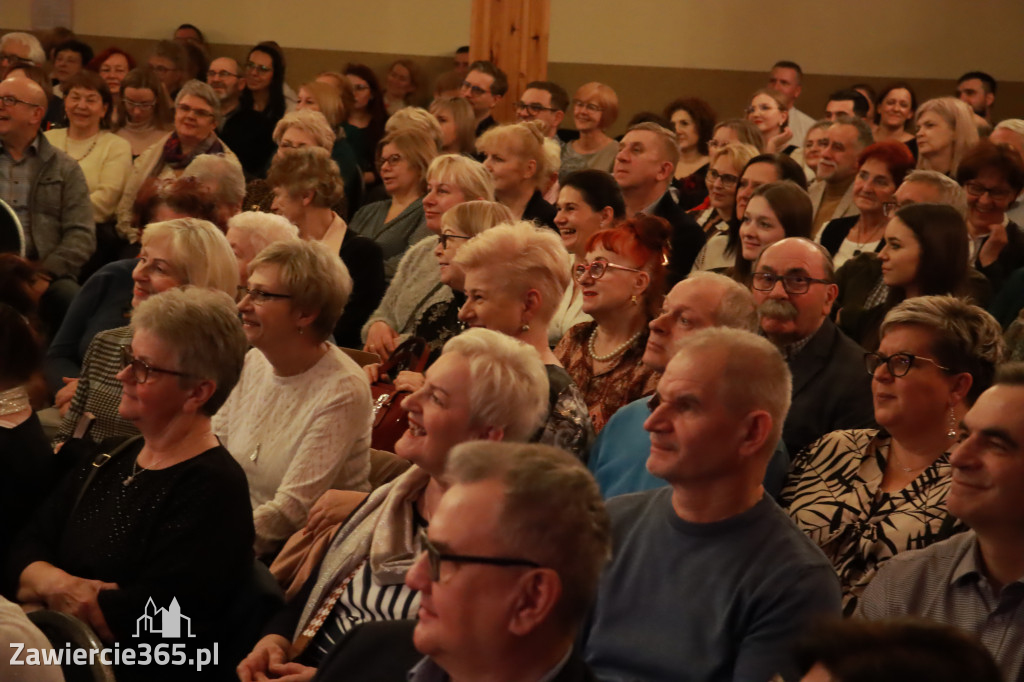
{"points": [[51, 201], [17, 48], [847, 102], [595, 108], [164, 520], [735, 130], [870, 96], [793, 285], [514, 156], [223, 179], [623, 281], [460, 61], [29, 464], [969, 580], [397, 222], [930, 187], [458, 127], [306, 185], [174, 253], [250, 232], [726, 166], [327, 100], [761, 170], [485, 386], [644, 166], [364, 126], [1009, 133], [546, 102], [925, 254], [401, 85], [538, 515], [243, 130], [416, 287], [704, 299], [113, 64], [415, 118], [714, 423], [865, 495], [993, 176], [977, 89], [514, 277], [894, 650], [145, 111], [881, 168], [814, 145], [16, 630], [169, 61], [483, 87], [589, 201], [189, 33], [196, 114], [693, 120], [767, 110], [298, 421], [449, 85], [945, 131], [894, 118], [774, 212], [69, 59], [265, 82], [786, 78], [832, 195]]}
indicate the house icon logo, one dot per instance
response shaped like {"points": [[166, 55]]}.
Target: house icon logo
{"points": [[165, 622]]}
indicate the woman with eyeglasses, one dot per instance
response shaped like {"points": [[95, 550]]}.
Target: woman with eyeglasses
{"points": [[306, 186], [768, 111], [416, 288], [196, 115], [174, 253], [364, 126], [993, 177], [485, 386], [145, 112], [515, 157], [264, 83], [113, 65], [925, 254], [865, 495], [165, 519], [724, 174], [694, 121], [458, 126], [595, 106], [881, 168], [298, 421], [623, 281]]}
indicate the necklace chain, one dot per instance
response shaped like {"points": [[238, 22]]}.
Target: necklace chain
{"points": [[615, 352], [137, 470], [95, 139]]}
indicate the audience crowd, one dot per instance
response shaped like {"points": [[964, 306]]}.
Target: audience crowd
{"points": [[719, 399]]}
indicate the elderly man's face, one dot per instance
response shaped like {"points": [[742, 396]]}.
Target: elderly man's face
{"points": [[467, 612], [14, 52], [688, 307], [21, 115], [225, 78], [790, 317], [1004, 137], [641, 160], [839, 159], [916, 193]]}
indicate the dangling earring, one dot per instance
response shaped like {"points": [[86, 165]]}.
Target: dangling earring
{"points": [[632, 299], [952, 424]]}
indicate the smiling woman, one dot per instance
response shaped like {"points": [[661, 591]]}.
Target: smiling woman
{"points": [[595, 108]]}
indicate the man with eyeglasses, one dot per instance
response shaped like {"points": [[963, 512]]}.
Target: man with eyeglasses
{"points": [[247, 132], [484, 86], [794, 287], [47, 191], [546, 102], [20, 49], [973, 580], [709, 578]]}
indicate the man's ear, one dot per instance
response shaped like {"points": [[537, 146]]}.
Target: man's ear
{"points": [[538, 593]]}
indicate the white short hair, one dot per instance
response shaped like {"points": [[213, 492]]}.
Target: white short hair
{"points": [[262, 229], [36, 53]]}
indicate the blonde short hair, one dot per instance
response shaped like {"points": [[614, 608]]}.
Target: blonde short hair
{"points": [[739, 154], [960, 118], [418, 148], [328, 99], [508, 384], [203, 328], [310, 169], [526, 140], [468, 174], [315, 278], [462, 116], [473, 217], [527, 256], [312, 122], [200, 251], [261, 230], [348, 100], [416, 118], [605, 98]]}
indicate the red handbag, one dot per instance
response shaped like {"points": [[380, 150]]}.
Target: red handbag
{"points": [[389, 422]]}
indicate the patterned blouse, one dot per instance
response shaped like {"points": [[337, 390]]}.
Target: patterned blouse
{"points": [[627, 380], [834, 495]]}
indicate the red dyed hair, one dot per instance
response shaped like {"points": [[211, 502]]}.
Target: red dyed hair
{"points": [[895, 155], [98, 60], [643, 240]]}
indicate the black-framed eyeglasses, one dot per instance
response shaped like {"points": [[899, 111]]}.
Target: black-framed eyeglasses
{"points": [[220, 74], [475, 89], [253, 66], [793, 284], [533, 107], [977, 190], [597, 269], [728, 179], [258, 296], [443, 239], [15, 60], [898, 364], [435, 557], [141, 369], [198, 113], [11, 100], [392, 160]]}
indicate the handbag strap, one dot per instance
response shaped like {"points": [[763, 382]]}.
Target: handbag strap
{"points": [[412, 354], [98, 463]]}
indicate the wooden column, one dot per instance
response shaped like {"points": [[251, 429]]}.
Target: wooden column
{"points": [[512, 34]]}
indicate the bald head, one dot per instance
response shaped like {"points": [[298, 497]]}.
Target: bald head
{"points": [[794, 308], [22, 107], [26, 89]]}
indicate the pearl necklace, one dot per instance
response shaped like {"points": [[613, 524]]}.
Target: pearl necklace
{"points": [[95, 139], [617, 351]]}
